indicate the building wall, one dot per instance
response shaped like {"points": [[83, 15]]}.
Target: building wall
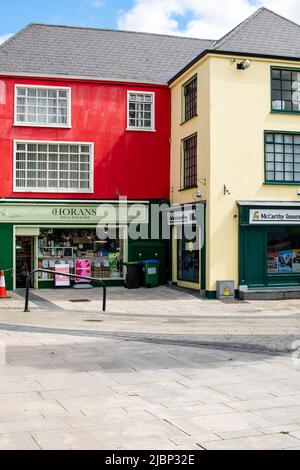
{"points": [[132, 163], [200, 124], [240, 113], [234, 110]]}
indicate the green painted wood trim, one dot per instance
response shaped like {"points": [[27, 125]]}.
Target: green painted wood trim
{"points": [[211, 294], [203, 255], [281, 111], [108, 282], [6, 252], [281, 183]]}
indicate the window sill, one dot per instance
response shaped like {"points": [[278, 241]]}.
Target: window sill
{"points": [[52, 191], [281, 183], [278, 111], [188, 187], [136, 129], [54, 126], [188, 120]]}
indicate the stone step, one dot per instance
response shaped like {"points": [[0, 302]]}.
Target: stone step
{"points": [[271, 294]]}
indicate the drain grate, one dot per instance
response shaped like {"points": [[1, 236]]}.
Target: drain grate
{"points": [[76, 301]]}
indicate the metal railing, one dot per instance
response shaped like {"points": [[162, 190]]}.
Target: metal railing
{"points": [[55, 273]]}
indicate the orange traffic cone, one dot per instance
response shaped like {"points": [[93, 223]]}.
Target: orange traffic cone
{"points": [[3, 294]]}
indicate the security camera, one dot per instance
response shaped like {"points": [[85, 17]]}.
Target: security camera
{"points": [[244, 65], [198, 193]]}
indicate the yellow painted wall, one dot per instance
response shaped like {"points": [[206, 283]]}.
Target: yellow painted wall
{"points": [[240, 113], [180, 130], [234, 109]]}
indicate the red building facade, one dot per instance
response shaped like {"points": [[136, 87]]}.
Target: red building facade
{"points": [[131, 163], [84, 119], [109, 139]]}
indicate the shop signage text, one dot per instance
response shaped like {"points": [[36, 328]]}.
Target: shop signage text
{"points": [[95, 214], [182, 217], [274, 216]]}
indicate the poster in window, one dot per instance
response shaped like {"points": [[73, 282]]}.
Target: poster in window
{"points": [[273, 263], [62, 281], [285, 261], [83, 267], [296, 261]]}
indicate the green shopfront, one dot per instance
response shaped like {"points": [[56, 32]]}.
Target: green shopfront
{"points": [[269, 244], [43, 234]]}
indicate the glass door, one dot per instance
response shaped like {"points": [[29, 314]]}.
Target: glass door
{"points": [[24, 260]]}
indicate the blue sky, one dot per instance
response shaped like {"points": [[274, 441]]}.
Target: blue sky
{"points": [[17, 13], [196, 18]]}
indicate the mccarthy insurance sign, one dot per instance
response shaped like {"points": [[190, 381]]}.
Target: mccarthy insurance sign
{"points": [[274, 216]]}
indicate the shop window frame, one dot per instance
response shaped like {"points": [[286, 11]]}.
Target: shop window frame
{"points": [[38, 283], [67, 125], [141, 128], [281, 80], [192, 184], [283, 182], [194, 101], [37, 189]]}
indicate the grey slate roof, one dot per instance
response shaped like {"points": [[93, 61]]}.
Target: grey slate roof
{"points": [[263, 33], [97, 53], [48, 50]]}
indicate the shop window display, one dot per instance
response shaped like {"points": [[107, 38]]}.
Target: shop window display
{"points": [[66, 246], [284, 250], [188, 260]]}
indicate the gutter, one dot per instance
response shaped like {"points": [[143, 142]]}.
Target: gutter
{"points": [[230, 53]]}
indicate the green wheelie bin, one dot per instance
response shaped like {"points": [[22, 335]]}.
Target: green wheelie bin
{"points": [[150, 272]]}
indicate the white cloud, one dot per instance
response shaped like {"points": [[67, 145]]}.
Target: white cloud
{"points": [[5, 37], [97, 3], [197, 18]]}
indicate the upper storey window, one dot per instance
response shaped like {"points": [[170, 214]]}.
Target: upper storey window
{"points": [[140, 111], [190, 99], [42, 106], [285, 90]]}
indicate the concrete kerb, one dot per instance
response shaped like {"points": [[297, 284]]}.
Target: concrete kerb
{"points": [[272, 344]]}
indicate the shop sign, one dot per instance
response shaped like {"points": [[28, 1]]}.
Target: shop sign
{"points": [[62, 281], [274, 216], [83, 267], [55, 213], [182, 217]]}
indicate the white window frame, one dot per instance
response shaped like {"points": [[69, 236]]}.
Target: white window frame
{"points": [[58, 190], [142, 129], [68, 125]]}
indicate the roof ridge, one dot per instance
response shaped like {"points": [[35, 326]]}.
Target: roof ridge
{"points": [[14, 36], [112, 30], [236, 30], [244, 23], [280, 16]]}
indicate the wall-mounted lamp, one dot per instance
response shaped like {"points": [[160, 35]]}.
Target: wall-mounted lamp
{"points": [[244, 65], [226, 191], [197, 194]]}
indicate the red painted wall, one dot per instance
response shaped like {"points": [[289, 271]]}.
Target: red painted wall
{"points": [[135, 163]]}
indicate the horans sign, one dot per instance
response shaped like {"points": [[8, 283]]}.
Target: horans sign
{"points": [[88, 213]]}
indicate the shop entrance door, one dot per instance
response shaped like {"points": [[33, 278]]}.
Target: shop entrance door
{"points": [[255, 257], [24, 260]]}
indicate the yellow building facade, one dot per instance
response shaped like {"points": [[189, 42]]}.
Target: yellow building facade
{"points": [[246, 176]]}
